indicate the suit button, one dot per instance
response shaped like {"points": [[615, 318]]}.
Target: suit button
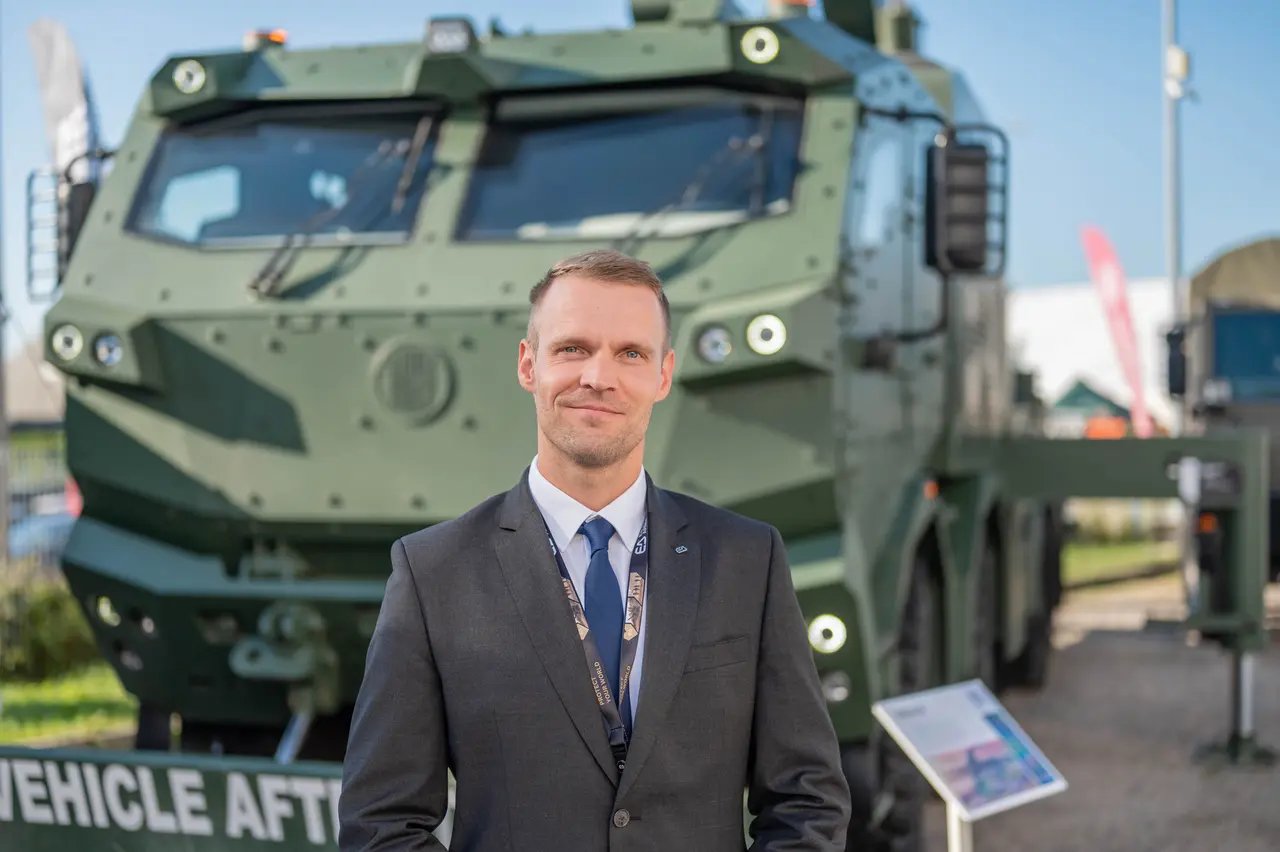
{"points": [[621, 817]]}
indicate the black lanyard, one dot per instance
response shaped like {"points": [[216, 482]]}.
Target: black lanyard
{"points": [[636, 580]]}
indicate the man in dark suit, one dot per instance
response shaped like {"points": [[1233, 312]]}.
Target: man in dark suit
{"points": [[508, 635]]}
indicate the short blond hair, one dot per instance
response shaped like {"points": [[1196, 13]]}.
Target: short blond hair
{"points": [[607, 265]]}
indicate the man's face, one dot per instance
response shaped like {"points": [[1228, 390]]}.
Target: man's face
{"points": [[599, 364]]}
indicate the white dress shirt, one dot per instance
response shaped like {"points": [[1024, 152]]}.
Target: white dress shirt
{"points": [[565, 515]]}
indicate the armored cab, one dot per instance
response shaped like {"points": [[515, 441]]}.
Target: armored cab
{"points": [[290, 318]]}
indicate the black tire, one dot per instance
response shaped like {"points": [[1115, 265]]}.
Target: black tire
{"points": [[888, 798], [1030, 668], [985, 634], [886, 790], [153, 732], [1055, 536]]}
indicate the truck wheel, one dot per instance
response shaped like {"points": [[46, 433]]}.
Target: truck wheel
{"points": [[887, 796], [1031, 667], [1055, 534], [886, 790], [986, 615], [153, 729]]}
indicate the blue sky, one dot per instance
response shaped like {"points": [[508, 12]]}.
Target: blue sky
{"points": [[1075, 84]]}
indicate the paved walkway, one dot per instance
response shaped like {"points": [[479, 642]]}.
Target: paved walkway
{"points": [[1124, 709]]}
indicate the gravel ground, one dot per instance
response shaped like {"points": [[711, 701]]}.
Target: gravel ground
{"points": [[1126, 705]]}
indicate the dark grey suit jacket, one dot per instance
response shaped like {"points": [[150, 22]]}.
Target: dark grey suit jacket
{"points": [[475, 666]]}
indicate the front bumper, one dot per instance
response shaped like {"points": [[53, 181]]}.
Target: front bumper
{"points": [[168, 620]]}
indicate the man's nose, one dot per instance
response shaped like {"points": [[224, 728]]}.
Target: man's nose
{"points": [[598, 372]]}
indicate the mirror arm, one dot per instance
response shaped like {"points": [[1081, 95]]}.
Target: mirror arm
{"points": [[903, 114]]}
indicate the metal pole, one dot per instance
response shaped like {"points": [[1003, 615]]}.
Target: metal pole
{"points": [[1172, 89], [1172, 75], [1242, 695], [959, 831]]}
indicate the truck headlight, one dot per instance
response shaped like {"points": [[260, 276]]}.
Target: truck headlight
{"points": [[827, 634], [836, 687], [108, 349], [189, 76], [67, 342], [766, 334], [715, 344]]}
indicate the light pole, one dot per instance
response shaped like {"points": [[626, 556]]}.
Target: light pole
{"points": [[1176, 65]]}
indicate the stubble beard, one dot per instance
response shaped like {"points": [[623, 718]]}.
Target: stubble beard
{"points": [[592, 452]]}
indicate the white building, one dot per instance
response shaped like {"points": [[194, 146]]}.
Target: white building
{"points": [[1060, 333]]}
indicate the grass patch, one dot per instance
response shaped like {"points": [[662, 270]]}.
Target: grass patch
{"points": [[82, 705], [1084, 562]]}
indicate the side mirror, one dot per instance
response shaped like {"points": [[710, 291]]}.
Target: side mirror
{"points": [[1176, 339], [965, 230]]}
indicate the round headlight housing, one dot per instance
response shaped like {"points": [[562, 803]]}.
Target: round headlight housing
{"points": [[108, 349], [827, 634], [836, 687], [67, 342], [106, 611], [189, 76], [715, 344], [766, 334]]}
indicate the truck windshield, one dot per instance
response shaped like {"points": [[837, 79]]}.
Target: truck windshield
{"points": [[259, 179], [672, 171], [1246, 352]]}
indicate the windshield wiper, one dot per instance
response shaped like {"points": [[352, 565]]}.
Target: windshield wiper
{"points": [[733, 151], [410, 169], [266, 281]]}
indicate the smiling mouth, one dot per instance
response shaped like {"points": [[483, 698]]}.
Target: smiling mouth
{"points": [[594, 408]]}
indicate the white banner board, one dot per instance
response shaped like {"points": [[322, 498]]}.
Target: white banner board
{"points": [[969, 748]]}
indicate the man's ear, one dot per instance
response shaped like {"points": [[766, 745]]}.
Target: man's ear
{"points": [[668, 374], [524, 365]]}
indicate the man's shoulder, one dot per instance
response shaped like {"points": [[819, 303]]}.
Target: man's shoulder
{"points": [[469, 530]]}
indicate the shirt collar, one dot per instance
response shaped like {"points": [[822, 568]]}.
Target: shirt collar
{"points": [[564, 515]]}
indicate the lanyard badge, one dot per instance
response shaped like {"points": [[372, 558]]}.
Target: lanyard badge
{"points": [[637, 578]]}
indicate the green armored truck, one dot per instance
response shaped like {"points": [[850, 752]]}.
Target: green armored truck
{"points": [[289, 318]]}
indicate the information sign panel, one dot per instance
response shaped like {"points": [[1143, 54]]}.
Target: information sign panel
{"points": [[969, 748]]}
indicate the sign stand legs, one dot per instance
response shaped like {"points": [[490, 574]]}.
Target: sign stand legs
{"points": [[959, 831]]}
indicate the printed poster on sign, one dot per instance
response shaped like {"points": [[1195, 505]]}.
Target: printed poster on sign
{"points": [[969, 748]]}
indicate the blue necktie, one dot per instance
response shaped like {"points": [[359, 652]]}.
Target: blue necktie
{"points": [[603, 600]]}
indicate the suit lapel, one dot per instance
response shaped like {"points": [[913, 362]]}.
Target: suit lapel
{"points": [[527, 564], [672, 605]]}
